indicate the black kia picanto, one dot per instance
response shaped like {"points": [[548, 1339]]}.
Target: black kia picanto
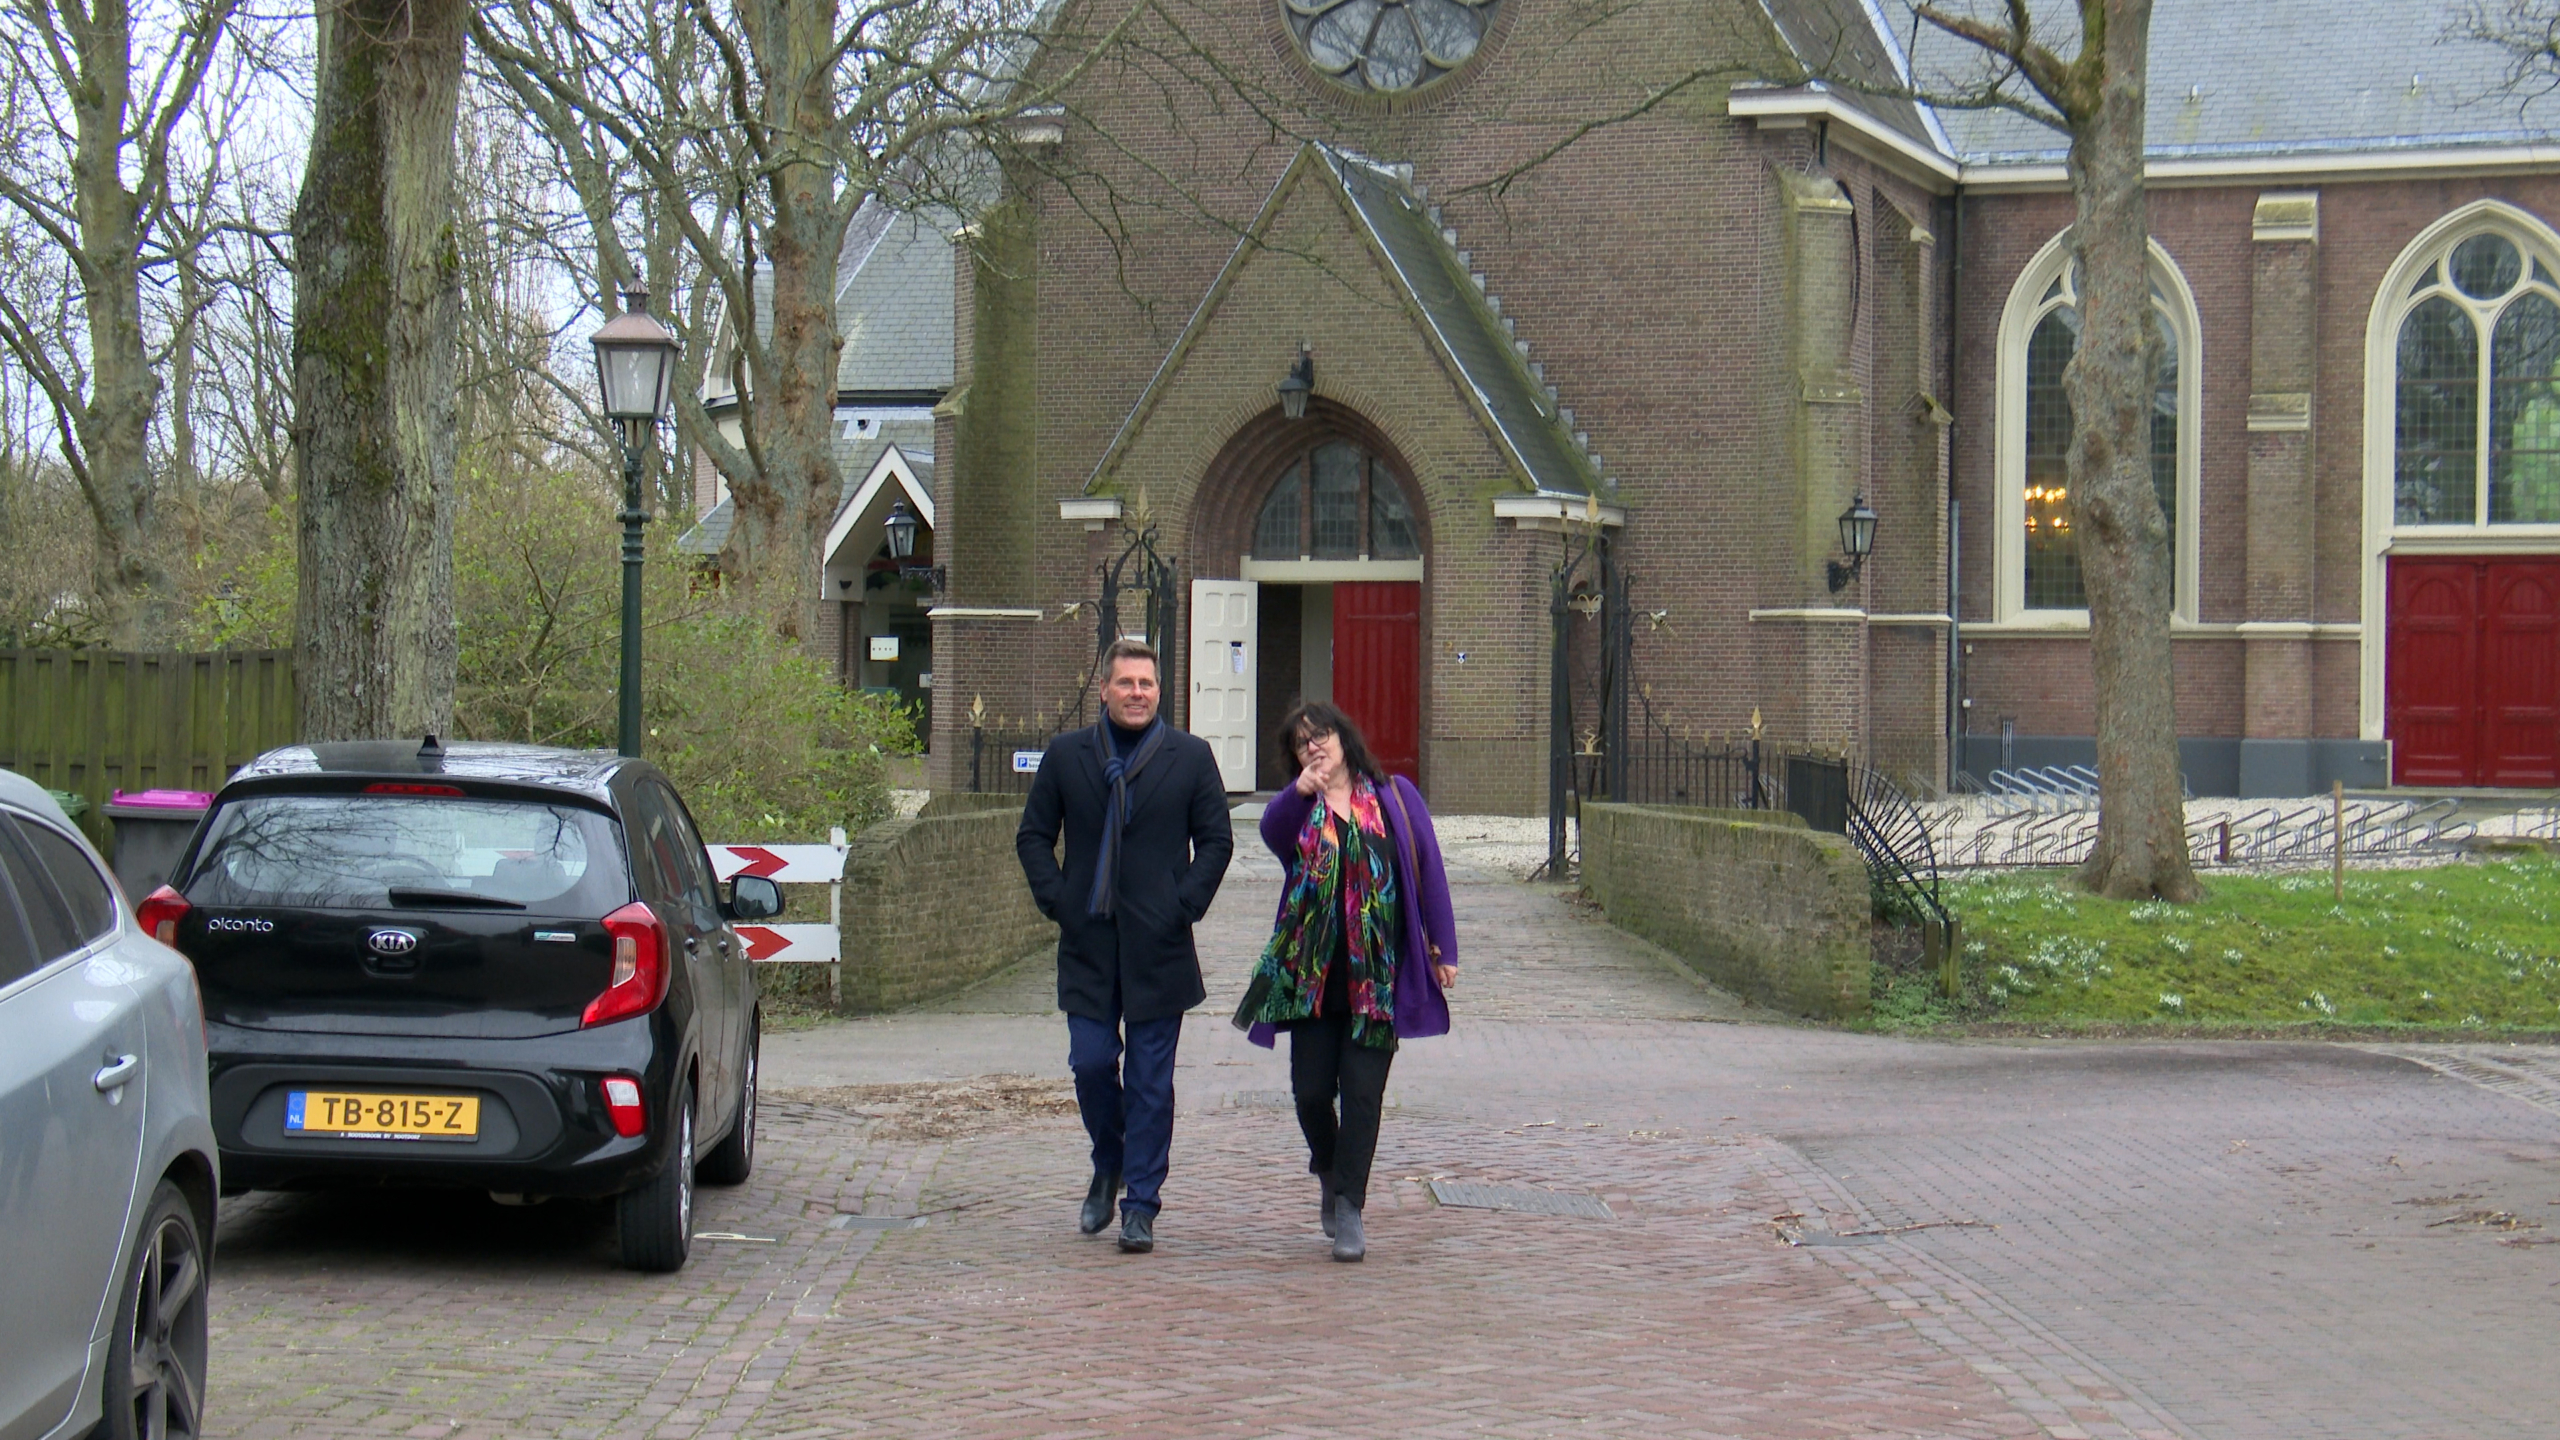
{"points": [[490, 966]]}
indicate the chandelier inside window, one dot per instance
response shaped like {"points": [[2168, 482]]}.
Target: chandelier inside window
{"points": [[1388, 45]]}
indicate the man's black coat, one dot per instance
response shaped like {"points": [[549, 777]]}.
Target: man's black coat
{"points": [[1172, 856]]}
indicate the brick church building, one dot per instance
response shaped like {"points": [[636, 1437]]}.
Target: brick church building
{"points": [[1705, 328]]}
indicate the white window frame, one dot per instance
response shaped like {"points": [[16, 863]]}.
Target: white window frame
{"points": [[2384, 535], [2028, 304]]}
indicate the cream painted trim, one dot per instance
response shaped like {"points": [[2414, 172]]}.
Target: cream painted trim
{"points": [[1794, 107], [1327, 572], [2381, 421], [978, 612], [1825, 613], [1915, 618], [2286, 215], [1094, 511], [2074, 624], [2286, 169], [893, 462], [2009, 436], [2476, 540], [1553, 509]]}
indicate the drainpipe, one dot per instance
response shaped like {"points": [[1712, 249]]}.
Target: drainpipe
{"points": [[1955, 507]]}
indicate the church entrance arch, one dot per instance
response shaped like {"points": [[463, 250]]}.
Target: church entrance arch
{"points": [[1314, 528]]}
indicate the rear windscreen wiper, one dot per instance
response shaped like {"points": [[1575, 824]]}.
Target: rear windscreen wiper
{"points": [[404, 895]]}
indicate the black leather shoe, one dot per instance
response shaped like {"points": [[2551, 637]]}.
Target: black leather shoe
{"points": [[1138, 1231], [1349, 1241], [1098, 1200], [1324, 1207]]}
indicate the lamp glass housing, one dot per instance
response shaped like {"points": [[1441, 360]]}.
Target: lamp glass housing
{"points": [[636, 363], [1296, 386], [1858, 530], [901, 530]]}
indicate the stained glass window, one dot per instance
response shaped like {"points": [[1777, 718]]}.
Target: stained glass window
{"points": [[2053, 557], [1388, 45], [2052, 550], [1338, 502], [2455, 459], [1390, 524], [1339, 469], [2524, 414], [1281, 532]]}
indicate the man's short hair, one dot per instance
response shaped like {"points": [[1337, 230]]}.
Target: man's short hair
{"points": [[1125, 648]]}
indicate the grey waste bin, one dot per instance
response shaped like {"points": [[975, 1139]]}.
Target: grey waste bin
{"points": [[152, 830]]}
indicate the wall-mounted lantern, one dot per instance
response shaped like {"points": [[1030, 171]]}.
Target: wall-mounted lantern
{"points": [[1857, 541], [901, 528], [1298, 384]]}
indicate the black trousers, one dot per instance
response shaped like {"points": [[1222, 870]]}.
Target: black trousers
{"points": [[1325, 1063]]}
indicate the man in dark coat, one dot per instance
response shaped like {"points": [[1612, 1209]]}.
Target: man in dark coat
{"points": [[1148, 839]]}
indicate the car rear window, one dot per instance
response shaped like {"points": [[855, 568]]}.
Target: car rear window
{"points": [[372, 851]]}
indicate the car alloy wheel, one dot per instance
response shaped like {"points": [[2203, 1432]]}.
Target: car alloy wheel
{"points": [[734, 1158], [656, 1220], [156, 1364]]}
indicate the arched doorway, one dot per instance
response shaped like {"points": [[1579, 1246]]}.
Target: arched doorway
{"points": [[1320, 525]]}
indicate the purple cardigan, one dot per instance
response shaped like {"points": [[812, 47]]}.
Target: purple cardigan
{"points": [[1422, 884]]}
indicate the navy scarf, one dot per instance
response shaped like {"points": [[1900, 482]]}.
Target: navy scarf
{"points": [[1118, 773]]}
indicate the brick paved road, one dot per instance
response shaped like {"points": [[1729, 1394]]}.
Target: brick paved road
{"points": [[2198, 1240]]}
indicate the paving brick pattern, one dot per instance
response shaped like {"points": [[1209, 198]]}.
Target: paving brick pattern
{"points": [[1997, 1239]]}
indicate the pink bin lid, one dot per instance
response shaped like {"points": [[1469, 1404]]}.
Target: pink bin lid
{"points": [[164, 799]]}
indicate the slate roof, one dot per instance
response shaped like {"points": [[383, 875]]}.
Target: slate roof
{"points": [[1524, 420], [2261, 78], [2279, 77], [911, 430], [893, 303], [1850, 38]]}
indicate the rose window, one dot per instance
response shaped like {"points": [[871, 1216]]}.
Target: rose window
{"points": [[1388, 45]]}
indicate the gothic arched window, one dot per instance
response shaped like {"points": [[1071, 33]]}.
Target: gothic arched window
{"points": [[2039, 556], [2482, 322], [1336, 502]]}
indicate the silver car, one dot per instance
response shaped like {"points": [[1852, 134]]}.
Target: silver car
{"points": [[107, 1159]]}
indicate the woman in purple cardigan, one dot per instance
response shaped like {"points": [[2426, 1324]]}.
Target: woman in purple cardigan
{"points": [[1362, 949]]}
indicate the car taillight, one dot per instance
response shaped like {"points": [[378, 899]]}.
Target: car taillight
{"points": [[639, 966], [160, 912], [622, 1103]]}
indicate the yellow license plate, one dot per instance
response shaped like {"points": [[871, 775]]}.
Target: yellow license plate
{"points": [[354, 1115]]}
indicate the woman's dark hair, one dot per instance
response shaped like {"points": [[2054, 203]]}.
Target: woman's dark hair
{"points": [[1313, 719]]}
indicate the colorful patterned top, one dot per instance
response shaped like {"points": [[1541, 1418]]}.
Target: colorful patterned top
{"points": [[1342, 901]]}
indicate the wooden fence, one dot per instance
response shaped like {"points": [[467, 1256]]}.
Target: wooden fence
{"points": [[96, 721]]}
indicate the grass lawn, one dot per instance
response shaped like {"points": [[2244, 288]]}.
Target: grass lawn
{"points": [[2472, 945]]}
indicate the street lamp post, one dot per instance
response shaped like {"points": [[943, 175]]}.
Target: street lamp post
{"points": [[636, 369]]}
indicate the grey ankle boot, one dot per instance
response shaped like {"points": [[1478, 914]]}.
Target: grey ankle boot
{"points": [[1348, 1241], [1324, 1206]]}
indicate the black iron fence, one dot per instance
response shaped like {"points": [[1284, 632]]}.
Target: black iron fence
{"points": [[1003, 758]]}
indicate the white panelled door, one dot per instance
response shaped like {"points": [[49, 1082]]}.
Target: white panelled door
{"points": [[1224, 667]]}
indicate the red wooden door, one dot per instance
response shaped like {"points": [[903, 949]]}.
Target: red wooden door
{"points": [[2520, 673], [2471, 681], [1377, 668], [2430, 668]]}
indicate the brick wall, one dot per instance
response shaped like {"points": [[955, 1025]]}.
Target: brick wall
{"points": [[1774, 912], [935, 903]]}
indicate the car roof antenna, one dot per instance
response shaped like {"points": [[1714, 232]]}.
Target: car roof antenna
{"points": [[430, 755]]}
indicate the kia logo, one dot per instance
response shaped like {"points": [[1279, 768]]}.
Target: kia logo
{"points": [[391, 942]]}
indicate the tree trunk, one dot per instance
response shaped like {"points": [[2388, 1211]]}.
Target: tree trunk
{"points": [[114, 425], [2126, 559], [785, 512], [376, 309]]}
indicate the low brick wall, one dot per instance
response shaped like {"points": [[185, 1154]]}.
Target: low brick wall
{"points": [[935, 903], [1759, 904]]}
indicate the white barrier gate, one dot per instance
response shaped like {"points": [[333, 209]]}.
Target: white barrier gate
{"points": [[793, 865]]}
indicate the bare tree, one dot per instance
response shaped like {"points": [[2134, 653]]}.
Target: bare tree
{"points": [[376, 306], [761, 130], [100, 94]]}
